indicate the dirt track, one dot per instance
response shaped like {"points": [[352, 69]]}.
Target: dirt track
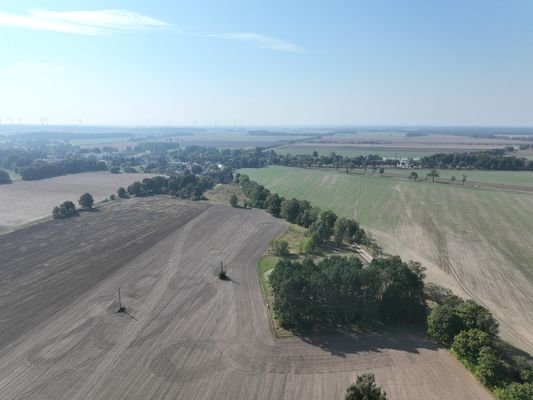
{"points": [[188, 335]]}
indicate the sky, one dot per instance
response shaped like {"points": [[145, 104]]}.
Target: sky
{"points": [[297, 62]]}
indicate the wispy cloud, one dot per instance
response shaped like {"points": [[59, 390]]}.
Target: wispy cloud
{"points": [[83, 22], [259, 40], [98, 22]]}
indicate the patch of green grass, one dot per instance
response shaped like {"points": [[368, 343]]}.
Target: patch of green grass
{"points": [[295, 236], [222, 193], [520, 178], [264, 268]]}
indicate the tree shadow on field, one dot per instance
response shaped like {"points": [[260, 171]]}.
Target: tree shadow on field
{"points": [[340, 344]]}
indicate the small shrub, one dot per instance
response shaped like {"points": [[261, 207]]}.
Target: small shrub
{"points": [[223, 276], [122, 193], [65, 210], [280, 248]]}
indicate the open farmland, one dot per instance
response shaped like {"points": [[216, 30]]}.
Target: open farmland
{"points": [[518, 180], [474, 241], [511, 178], [396, 144], [186, 334], [26, 201]]}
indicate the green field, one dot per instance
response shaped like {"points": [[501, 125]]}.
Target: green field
{"points": [[476, 241], [520, 178]]}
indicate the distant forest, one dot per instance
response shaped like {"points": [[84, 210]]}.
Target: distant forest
{"points": [[492, 160], [42, 170]]}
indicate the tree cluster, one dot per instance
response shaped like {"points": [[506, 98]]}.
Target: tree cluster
{"points": [[490, 160], [65, 210], [515, 391], [156, 147], [472, 333], [185, 186], [42, 170], [338, 290], [17, 157], [68, 208]]}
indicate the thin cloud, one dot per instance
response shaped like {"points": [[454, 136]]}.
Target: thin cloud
{"points": [[98, 22], [259, 40], [83, 22]]}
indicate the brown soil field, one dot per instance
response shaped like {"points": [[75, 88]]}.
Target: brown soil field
{"points": [[186, 334], [26, 201]]}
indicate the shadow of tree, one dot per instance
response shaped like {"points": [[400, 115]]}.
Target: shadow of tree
{"points": [[405, 338]]}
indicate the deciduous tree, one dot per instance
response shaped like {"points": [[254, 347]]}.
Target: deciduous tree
{"points": [[365, 388], [86, 201]]}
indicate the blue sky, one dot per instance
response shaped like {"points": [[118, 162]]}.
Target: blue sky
{"points": [[271, 62]]}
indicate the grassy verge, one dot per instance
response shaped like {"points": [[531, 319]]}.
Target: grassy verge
{"points": [[295, 236], [222, 193]]}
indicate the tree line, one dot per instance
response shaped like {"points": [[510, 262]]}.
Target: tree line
{"points": [[323, 225], [471, 332], [184, 186], [17, 157], [339, 290], [42, 170], [489, 160], [497, 159]]}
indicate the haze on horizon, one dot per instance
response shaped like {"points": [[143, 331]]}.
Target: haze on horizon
{"points": [[447, 63]]}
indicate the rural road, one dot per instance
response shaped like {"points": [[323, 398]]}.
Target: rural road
{"points": [[186, 334]]}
